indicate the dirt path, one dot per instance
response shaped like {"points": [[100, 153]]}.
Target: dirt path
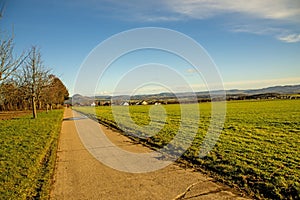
{"points": [[80, 176]]}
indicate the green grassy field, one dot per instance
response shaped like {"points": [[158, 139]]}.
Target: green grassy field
{"points": [[258, 150], [27, 155]]}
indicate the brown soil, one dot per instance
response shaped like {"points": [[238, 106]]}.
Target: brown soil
{"points": [[80, 176], [5, 115]]}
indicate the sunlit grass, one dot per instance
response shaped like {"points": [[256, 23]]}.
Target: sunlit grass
{"points": [[27, 155], [258, 149]]}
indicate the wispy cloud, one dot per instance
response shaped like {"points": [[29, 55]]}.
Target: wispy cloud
{"points": [[191, 70], [290, 38], [282, 34], [267, 9], [201, 9], [159, 18], [277, 18], [259, 29], [252, 84], [248, 84]]}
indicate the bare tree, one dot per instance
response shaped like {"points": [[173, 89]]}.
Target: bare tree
{"points": [[29, 87], [7, 95], [8, 63], [35, 77]]}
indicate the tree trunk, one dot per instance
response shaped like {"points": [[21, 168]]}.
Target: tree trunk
{"points": [[33, 107]]}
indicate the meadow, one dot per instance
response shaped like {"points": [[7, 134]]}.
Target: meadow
{"points": [[27, 155], [257, 151]]}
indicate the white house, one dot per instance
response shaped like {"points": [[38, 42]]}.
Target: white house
{"points": [[144, 103]]}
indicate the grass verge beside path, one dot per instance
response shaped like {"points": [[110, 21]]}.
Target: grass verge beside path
{"points": [[27, 155]]}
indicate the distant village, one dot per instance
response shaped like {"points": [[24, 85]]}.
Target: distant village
{"points": [[78, 100]]}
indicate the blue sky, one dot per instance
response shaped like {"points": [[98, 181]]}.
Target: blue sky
{"points": [[253, 43]]}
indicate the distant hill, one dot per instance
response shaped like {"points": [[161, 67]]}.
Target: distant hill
{"points": [[273, 91], [78, 99], [287, 89]]}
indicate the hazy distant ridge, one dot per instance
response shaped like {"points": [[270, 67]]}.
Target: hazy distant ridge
{"points": [[282, 90]]}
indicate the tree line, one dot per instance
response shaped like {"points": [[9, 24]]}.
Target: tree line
{"points": [[25, 83]]}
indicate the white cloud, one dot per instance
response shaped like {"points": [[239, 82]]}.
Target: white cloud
{"points": [[253, 84], [164, 10], [290, 38], [281, 34], [104, 93], [278, 18], [267, 9], [160, 18], [191, 70], [258, 29], [267, 17]]}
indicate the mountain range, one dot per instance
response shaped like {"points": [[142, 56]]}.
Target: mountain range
{"points": [[268, 91]]}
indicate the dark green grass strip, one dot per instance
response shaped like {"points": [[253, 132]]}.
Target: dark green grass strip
{"points": [[27, 155]]}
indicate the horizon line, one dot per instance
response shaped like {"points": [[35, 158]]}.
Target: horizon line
{"points": [[200, 91]]}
